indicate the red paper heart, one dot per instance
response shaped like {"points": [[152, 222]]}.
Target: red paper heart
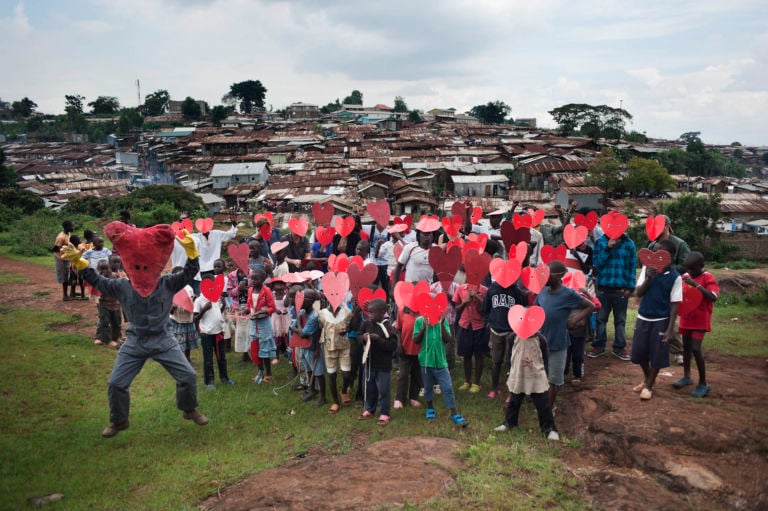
{"points": [[537, 216], [178, 227], [380, 211], [459, 209], [575, 280], [278, 246], [406, 291], [476, 266], [519, 251], [692, 297], [504, 272], [428, 223], [364, 235], [356, 260], [654, 226], [458, 242], [451, 226], [212, 288], [361, 277], [477, 214], [183, 301], [614, 224], [338, 263], [657, 260], [397, 250], [550, 253], [432, 308], [519, 221], [267, 215], [239, 254], [256, 218], [298, 226], [265, 231], [408, 220], [335, 287], [479, 239], [323, 213], [511, 235], [574, 235], [589, 220], [366, 295], [534, 279], [144, 251], [298, 300], [344, 226], [325, 235], [204, 224], [445, 264], [525, 322]]}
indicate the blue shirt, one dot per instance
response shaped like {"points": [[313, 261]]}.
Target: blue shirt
{"points": [[557, 306], [615, 267]]}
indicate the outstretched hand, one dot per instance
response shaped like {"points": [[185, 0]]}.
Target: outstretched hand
{"points": [[189, 245], [73, 255]]}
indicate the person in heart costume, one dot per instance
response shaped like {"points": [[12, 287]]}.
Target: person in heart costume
{"points": [[148, 312], [660, 292], [558, 301], [695, 323], [615, 264]]}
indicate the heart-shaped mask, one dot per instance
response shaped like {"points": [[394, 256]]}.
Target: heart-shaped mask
{"points": [[212, 288], [335, 287], [239, 254], [379, 211], [525, 322], [323, 213], [614, 224]]}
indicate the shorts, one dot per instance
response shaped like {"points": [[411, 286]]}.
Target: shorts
{"points": [[697, 335], [501, 346], [556, 367], [471, 342], [338, 359], [647, 346], [62, 270], [315, 366]]}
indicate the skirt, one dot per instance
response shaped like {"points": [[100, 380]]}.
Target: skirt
{"points": [[185, 334]]}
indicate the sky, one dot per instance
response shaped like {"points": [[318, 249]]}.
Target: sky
{"points": [[676, 66]]}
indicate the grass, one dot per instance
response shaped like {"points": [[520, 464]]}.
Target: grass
{"points": [[45, 261]]}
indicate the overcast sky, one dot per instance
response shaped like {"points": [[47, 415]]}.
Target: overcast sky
{"points": [[676, 66]]}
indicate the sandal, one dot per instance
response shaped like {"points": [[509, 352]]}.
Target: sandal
{"points": [[383, 420], [97, 342], [266, 379], [431, 413], [333, 409], [365, 415], [345, 399], [459, 420]]}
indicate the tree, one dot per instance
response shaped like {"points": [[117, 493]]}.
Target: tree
{"points": [[129, 119], [736, 144], [493, 112], [331, 107], [24, 107], [694, 218], [635, 136], [400, 105], [646, 176], [156, 103], [249, 93], [219, 113], [104, 105], [74, 109], [764, 157], [34, 123], [190, 109], [89, 205], [738, 153], [8, 176], [355, 98], [689, 136], [23, 200], [676, 161], [599, 121], [604, 171], [415, 116]]}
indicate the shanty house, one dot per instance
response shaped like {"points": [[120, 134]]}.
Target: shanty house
{"points": [[480, 186], [225, 175]]}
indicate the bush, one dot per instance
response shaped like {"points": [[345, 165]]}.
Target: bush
{"points": [[720, 251], [89, 205], [33, 235], [24, 200], [164, 213], [8, 216], [150, 197]]}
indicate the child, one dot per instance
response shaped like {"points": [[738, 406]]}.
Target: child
{"points": [[696, 323], [660, 293], [381, 341], [450, 317], [237, 289], [579, 334], [336, 349], [261, 305], [434, 366], [182, 327], [472, 333], [311, 357], [280, 320], [208, 315], [75, 279], [409, 375], [281, 268], [110, 320], [528, 377]]}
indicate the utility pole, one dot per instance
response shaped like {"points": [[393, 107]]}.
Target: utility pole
{"points": [[138, 92]]}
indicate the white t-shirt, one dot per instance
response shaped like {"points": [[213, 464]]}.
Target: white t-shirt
{"points": [[416, 262], [212, 322], [210, 248]]}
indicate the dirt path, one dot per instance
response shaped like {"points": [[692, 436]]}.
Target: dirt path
{"points": [[673, 452]]}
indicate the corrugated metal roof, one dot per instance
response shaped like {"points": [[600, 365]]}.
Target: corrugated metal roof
{"points": [[582, 190], [238, 169], [479, 179]]}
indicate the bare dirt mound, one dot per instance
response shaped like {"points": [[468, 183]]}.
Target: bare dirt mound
{"points": [[732, 282], [674, 451], [391, 472]]}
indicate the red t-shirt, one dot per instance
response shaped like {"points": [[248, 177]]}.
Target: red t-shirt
{"points": [[405, 324], [471, 318], [700, 317]]}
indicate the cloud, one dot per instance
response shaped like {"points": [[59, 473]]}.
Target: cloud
{"points": [[17, 24], [93, 26]]}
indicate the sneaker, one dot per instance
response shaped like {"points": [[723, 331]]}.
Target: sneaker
{"points": [[464, 386], [501, 428], [646, 394], [398, 405], [553, 435], [97, 342], [474, 389], [492, 394], [682, 382], [421, 392], [258, 378], [701, 390], [113, 429], [621, 355], [196, 417], [576, 381], [596, 352], [679, 360], [228, 382], [436, 389], [210, 386]]}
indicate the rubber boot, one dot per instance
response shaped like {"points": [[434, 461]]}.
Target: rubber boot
{"points": [[310, 393]]}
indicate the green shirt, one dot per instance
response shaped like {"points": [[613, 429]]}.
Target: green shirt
{"points": [[432, 353]]}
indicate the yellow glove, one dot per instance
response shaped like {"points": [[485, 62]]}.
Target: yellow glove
{"points": [[73, 255], [189, 245]]}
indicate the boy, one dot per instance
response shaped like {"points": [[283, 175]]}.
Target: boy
{"points": [[208, 315], [381, 341], [661, 292], [110, 318], [696, 323], [336, 349], [312, 358]]}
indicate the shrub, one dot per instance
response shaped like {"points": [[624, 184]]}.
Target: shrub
{"points": [[33, 235], [164, 213], [8, 216]]}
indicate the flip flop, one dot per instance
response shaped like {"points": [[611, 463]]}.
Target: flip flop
{"points": [[459, 420], [365, 415], [383, 420], [431, 413], [333, 409]]}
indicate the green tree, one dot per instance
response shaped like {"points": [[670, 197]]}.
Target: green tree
{"points": [[415, 116], [89, 205], [331, 107], [764, 157], [493, 112], [690, 136], [635, 136], [190, 109], [129, 119], [150, 197], [219, 113], [400, 105], [34, 123], [250, 94], [104, 105], [738, 153], [8, 176], [156, 103], [736, 144], [74, 108], [645, 175], [23, 200], [694, 217], [604, 171], [24, 107], [676, 161], [355, 98], [601, 121]]}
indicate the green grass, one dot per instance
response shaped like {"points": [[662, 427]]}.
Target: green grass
{"points": [[45, 261], [11, 278]]}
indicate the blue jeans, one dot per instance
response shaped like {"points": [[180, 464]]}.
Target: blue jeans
{"points": [[378, 388], [611, 300], [442, 377]]}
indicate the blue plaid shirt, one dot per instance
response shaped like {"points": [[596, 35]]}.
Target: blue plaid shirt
{"points": [[615, 266]]}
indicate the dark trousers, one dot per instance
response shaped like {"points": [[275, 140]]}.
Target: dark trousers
{"points": [[356, 353], [576, 356], [382, 278], [110, 323], [611, 300], [209, 348], [541, 401], [378, 388], [409, 378]]}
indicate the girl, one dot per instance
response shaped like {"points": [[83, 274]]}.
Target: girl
{"points": [[472, 333], [261, 305], [237, 288], [280, 320], [182, 327]]}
